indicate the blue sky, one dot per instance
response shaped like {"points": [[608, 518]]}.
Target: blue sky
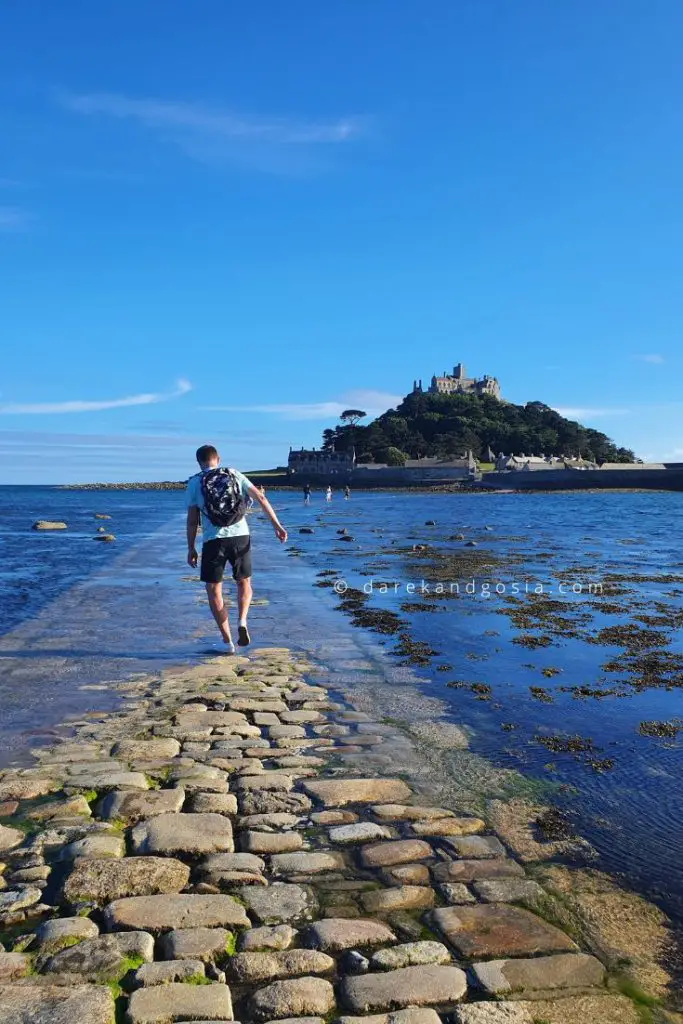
{"points": [[226, 222]]}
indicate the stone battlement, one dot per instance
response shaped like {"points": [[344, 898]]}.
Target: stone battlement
{"points": [[459, 383]]}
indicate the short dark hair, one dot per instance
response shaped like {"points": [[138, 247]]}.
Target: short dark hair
{"points": [[206, 453]]}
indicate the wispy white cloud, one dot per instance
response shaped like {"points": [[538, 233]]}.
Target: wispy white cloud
{"points": [[651, 358], [577, 413], [89, 405], [164, 113], [372, 402], [13, 218], [211, 134]]}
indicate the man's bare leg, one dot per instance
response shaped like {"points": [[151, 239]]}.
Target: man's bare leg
{"points": [[244, 596], [214, 592]]}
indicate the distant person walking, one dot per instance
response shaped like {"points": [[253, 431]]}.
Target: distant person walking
{"points": [[347, 493], [328, 494], [220, 496], [307, 494]]}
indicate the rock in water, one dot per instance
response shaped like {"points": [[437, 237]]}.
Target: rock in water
{"points": [[105, 537], [49, 524]]}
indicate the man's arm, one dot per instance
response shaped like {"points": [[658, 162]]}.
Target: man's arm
{"points": [[192, 527], [280, 531]]}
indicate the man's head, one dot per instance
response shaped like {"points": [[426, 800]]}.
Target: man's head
{"points": [[207, 456]]}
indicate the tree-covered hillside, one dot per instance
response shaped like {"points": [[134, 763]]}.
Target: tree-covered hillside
{"points": [[447, 425]]}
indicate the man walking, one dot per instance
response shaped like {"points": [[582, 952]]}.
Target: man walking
{"points": [[220, 497]]}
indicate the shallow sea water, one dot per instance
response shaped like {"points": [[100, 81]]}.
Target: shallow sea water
{"points": [[77, 614]]}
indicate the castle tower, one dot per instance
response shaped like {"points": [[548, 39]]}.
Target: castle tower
{"points": [[459, 371]]}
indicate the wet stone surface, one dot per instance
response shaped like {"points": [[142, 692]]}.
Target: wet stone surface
{"points": [[218, 853]]}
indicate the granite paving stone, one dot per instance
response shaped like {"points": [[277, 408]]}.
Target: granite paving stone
{"points": [[496, 1013], [424, 1015], [93, 847], [361, 832], [163, 913], [280, 903], [401, 897], [543, 973], [475, 847], [105, 958], [205, 944], [410, 954], [255, 968], [276, 937], [447, 827], [166, 1004], [335, 935], [498, 930], [102, 881], [403, 812], [314, 863], [402, 851], [212, 803], [51, 936], [508, 890], [432, 985], [183, 834], [474, 870], [293, 998], [339, 792], [131, 807], [14, 965], [146, 750], [56, 1004], [406, 874], [270, 842], [168, 971], [456, 893]]}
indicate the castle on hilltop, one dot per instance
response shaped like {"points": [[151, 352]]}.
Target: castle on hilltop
{"points": [[458, 382]]}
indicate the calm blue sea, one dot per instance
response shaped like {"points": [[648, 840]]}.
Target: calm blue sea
{"points": [[75, 614]]}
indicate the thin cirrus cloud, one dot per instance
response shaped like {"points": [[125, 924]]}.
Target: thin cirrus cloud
{"points": [[373, 403], [87, 405], [652, 357], [578, 413], [211, 134]]}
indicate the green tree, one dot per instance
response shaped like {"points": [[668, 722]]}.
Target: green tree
{"points": [[392, 456], [352, 416]]}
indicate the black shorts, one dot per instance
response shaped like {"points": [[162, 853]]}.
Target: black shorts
{"points": [[215, 553]]}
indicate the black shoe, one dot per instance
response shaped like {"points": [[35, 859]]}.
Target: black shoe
{"points": [[243, 638]]}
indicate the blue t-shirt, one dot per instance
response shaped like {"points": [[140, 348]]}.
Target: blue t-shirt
{"points": [[195, 499]]}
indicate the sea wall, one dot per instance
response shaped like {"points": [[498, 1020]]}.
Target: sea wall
{"points": [[392, 476], [588, 479]]}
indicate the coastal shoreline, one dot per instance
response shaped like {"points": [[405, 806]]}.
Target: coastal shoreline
{"points": [[418, 488], [433, 752]]}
